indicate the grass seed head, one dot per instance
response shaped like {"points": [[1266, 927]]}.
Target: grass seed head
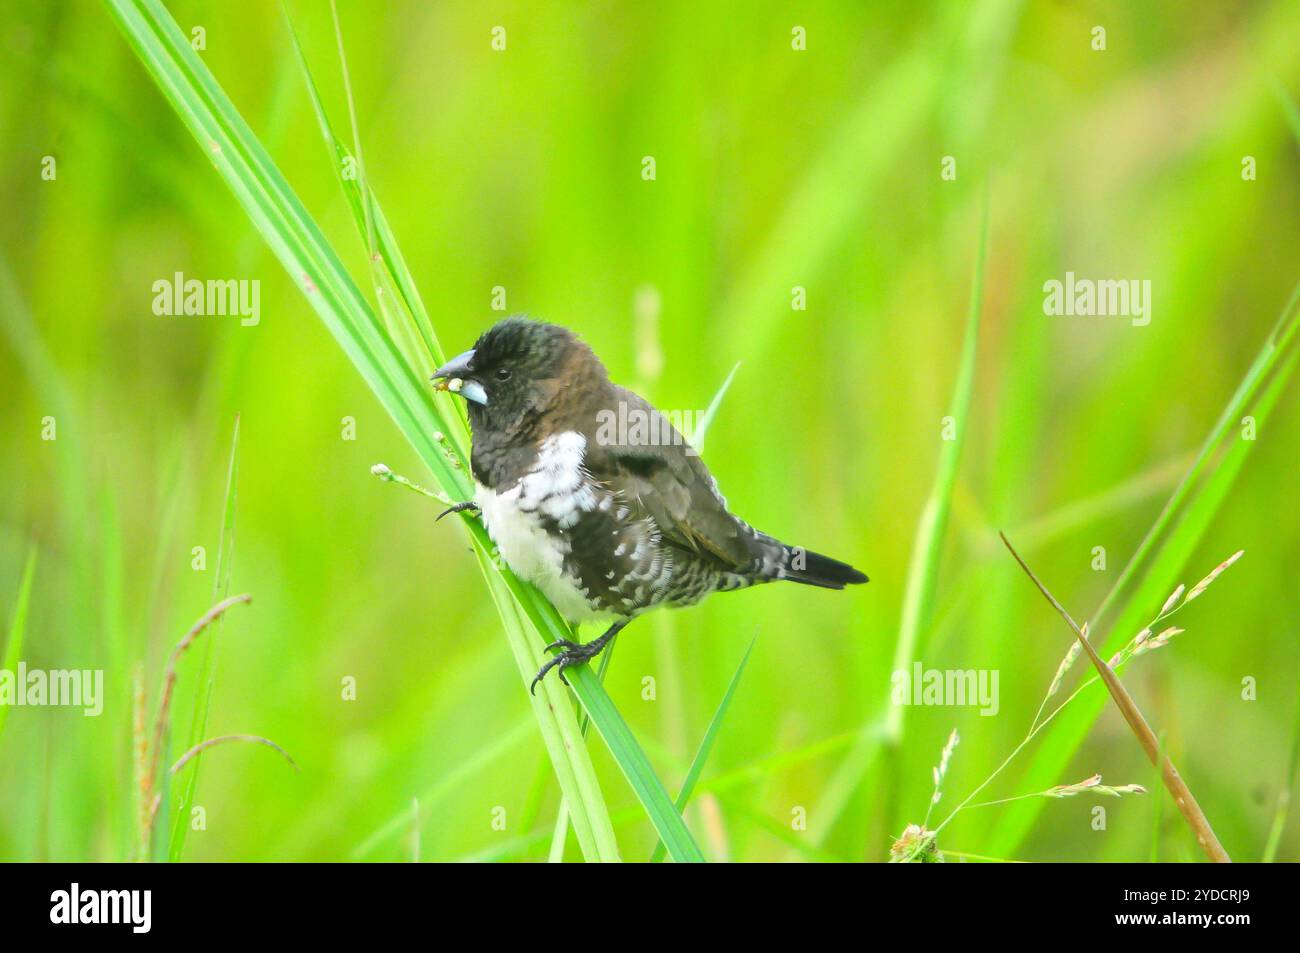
{"points": [[1094, 785], [1215, 573], [946, 755], [1172, 600], [1159, 641], [1070, 656], [942, 768]]}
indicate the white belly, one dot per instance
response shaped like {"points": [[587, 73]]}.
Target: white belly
{"points": [[555, 487]]}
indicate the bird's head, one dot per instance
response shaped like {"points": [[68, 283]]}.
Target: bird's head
{"points": [[516, 371]]}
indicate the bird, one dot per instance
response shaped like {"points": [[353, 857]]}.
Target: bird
{"points": [[608, 520]]}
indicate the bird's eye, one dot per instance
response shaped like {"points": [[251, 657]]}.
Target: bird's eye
{"points": [[503, 373]]}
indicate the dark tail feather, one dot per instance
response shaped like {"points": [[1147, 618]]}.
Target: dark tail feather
{"points": [[814, 569]]}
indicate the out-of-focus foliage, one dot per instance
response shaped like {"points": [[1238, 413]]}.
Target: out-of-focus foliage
{"points": [[774, 168]]}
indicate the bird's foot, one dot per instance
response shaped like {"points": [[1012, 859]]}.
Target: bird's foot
{"points": [[574, 653], [459, 508]]}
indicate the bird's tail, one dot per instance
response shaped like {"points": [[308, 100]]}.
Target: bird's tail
{"points": [[814, 569], [776, 560]]}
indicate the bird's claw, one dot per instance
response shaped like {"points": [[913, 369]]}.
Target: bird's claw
{"points": [[458, 508], [575, 653]]}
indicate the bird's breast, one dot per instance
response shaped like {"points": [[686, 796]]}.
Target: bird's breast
{"points": [[530, 520]]}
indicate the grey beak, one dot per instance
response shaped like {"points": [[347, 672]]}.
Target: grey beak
{"points": [[456, 369]]}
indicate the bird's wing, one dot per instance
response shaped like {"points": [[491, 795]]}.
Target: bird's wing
{"points": [[666, 480]]}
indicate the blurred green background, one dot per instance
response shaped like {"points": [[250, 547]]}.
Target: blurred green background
{"points": [[775, 168]]}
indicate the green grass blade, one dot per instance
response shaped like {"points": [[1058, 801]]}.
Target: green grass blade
{"points": [[1257, 395], [559, 727], [446, 784], [618, 738], [568, 755], [203, 698], [825, 205], [702, 430], [1288, 106], [18, 626], [1284, 793], [285, 225], [357, 190], [710, 734], [1278, 342], [923, 572], [561, 837], [297, 242]]}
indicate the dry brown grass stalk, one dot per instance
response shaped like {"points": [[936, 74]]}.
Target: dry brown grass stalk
{"points": [[1182, 795], [148, 756]]}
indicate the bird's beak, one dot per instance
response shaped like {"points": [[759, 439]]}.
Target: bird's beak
{"points": [[453, 375]]}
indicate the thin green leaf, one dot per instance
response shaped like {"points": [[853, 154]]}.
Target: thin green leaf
{"points": [[706, 744], [560, 733], [18, 626], [826, 204], [927, 549], [203, 697], [1284, 333], [298, 243], [556, 854], [372, 226], [569, 757], [1189, 512], [446, 784], [697, 438], [923, 573], [1288, 106], [1283, 804]]}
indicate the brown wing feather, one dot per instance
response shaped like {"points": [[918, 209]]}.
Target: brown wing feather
{"points": [[672, 486]]}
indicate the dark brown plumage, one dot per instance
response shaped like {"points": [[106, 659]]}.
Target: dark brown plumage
{"points": [[607, 520]]}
